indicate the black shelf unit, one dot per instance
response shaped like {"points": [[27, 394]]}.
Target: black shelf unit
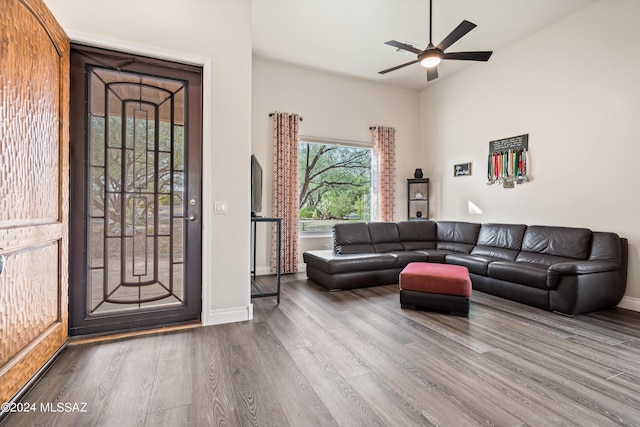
{"points": [[256, 290], [418, 199]]}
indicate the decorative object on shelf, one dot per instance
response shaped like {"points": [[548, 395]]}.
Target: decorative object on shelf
{"points": [[463, 169], [418, 173], [417, 199], [508, 161]]}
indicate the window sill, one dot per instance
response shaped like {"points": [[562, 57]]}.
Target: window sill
{"points": [[315, 234]]}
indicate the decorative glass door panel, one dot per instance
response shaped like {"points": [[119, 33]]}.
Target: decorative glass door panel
{"points": [[139, 224], [137, 210]]}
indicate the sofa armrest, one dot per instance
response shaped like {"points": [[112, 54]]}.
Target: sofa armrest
{"points": [[582, 267], [583, 293], [578, 268], [578, 287]]}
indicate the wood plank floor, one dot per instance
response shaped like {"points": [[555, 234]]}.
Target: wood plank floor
{"points": [[354, 358]]}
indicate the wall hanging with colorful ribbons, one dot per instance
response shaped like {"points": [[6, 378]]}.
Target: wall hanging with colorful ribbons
{"points": [[508, 161]]}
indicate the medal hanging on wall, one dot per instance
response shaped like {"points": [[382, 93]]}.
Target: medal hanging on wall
{"points": [[507, 162]]}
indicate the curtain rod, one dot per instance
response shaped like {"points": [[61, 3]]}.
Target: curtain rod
{"points": [[273, 114]]}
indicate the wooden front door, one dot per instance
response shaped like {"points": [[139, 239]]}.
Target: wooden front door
{"points": [[135, 200], [34, 152]]}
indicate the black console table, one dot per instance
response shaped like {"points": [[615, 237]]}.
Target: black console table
{"points": [[254, 284]]}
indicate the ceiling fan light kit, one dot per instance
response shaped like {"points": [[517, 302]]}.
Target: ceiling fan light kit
{"points": [[432, 55]]}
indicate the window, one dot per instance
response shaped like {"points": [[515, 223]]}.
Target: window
{"points": [[335, 184]]}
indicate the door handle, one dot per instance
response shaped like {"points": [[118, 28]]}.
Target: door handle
{"points": [[190, 218], [1, 263]]}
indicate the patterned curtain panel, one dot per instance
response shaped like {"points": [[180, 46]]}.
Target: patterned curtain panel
{"points": [[285, 189], [384, 173]]}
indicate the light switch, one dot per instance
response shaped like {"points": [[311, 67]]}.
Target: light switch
{"points": [[220, 207]]}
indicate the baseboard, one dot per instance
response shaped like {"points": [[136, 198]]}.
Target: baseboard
{"points": [[630, 303], [263, 271], [266, 270], [230, 315]]}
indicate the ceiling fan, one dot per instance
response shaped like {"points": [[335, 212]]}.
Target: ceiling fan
{"points": [[432, 55]]}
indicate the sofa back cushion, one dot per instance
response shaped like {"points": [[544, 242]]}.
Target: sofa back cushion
{"points": [[385, 237], [565, 242], [457, 236], [352, 238], [605, 247], [500, 240], [415, 235]]}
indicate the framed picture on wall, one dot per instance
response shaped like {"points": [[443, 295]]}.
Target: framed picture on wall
{"points": [[462, 169]]}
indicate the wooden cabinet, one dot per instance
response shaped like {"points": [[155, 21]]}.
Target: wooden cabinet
{"points": [[418, 199]]}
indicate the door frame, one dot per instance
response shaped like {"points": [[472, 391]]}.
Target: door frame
{"points": [[206, 211]]}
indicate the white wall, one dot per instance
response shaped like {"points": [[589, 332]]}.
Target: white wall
{"points": [[574, 88], [219, 31], [335, 107]]}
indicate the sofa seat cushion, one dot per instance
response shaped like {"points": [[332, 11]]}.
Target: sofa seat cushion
{"points": [[496, 253], [477, 264], [418, 245], [405, 257], [524, 273], [332, 263], [437, 256], [454, 247], [542, 259]]}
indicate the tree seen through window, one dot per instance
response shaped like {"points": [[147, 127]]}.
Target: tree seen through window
{"points": [[335, 185]]}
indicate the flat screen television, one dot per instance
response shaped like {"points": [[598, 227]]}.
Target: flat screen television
{"points": [[256, 186]]}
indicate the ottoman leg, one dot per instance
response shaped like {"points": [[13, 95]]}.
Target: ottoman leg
{"points": [[456, 305]]}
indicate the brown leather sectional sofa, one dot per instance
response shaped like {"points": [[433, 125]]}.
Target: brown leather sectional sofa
{"points": [[563, 269]]}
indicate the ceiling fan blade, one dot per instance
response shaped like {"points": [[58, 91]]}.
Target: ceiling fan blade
{"points": [[403, 46], [469, 56], [455, 35], [432, 73], [396, 67]]}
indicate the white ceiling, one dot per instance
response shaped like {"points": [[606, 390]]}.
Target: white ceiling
{"points": [[347, 36]]}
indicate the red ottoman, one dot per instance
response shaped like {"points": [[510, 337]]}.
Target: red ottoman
{"points": [[440, 287]]}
